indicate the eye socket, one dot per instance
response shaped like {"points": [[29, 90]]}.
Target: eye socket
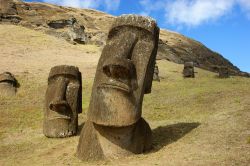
{"points": [[117, 71]]}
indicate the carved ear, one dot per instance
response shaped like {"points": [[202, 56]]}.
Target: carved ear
{"points": [[80, 94], [151, 65], [149, 77]]}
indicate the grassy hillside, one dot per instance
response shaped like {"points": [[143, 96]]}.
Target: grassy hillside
{"points": [[201, 121], [172, 46]]}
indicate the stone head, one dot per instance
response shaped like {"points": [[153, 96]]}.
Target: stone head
{"points": [[124, 72], [189, 65], [63, 101], [8, 84], [224, 72]]}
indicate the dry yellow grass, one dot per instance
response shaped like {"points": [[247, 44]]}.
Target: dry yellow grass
{"points": [[201, 121]]}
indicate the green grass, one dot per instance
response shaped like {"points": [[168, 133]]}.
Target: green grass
{"points": [[174, 100]]}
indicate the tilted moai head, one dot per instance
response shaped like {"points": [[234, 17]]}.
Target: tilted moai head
{"points": [[124, 72], [223, 72], [8, 84], [63, 101], [188, 71]]}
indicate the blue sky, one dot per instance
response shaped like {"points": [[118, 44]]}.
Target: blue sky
{"points": [[222, 25]]}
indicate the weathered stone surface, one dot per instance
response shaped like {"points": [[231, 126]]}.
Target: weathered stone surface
{"points": [[75, 31], [8, 11], [8, 84], [188, 71], [156, 74], [63, 102], [102, 142], [77, 34], [124, 74], [224, 72]]}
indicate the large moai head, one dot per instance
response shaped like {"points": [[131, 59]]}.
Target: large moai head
{"points": [[124, 72], [188, 71], [8, 84], [63, 101], [223, 72]]}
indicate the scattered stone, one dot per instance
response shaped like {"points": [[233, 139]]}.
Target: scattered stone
{"points": [[223, 72], [156, 74], [75, 32], [63, 102], [115, 128], [188, 71], [8, 84]]}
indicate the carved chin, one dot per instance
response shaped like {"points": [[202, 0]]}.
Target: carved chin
{"points": [[114, 107]]}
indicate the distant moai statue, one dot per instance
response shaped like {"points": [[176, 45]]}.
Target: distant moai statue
{"points": [[223, 72], [8, 84], [114, 127], [156, 73], [63, 102], [188, 71]]}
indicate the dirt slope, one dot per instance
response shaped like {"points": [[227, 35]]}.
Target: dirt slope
{"points": [[57, 21], [201, 121]]}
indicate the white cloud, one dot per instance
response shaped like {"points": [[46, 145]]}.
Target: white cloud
{"points": [[150, 6], [196, 12], [193, 13], [108, 5], [245, 5]]}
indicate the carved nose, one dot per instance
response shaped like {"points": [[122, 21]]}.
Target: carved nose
{"points": [[59, 101], [58, 105], [119, 68]]}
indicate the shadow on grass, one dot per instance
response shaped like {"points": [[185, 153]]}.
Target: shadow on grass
{"points": [[165, 135]]}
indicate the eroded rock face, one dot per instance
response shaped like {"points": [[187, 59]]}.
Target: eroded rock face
{"points": [[156, 74], [63, 102], [188, 71], [124, 74], [75, 32], [223, 72], [8, 84], [8, 11]]}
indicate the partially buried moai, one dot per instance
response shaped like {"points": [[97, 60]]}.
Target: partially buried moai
{"points": [[156, 74], [223, 72], [63, 102], [8, 84], [124, 74], [188, 71]]}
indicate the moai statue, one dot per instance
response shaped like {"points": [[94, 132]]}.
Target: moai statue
{"points": [[63, 102], [114, 127], [156, 74], [223, 72], [188, 71], [8, 84]]}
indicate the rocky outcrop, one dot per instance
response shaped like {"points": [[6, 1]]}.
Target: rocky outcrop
{"points": [[87, 26]]}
